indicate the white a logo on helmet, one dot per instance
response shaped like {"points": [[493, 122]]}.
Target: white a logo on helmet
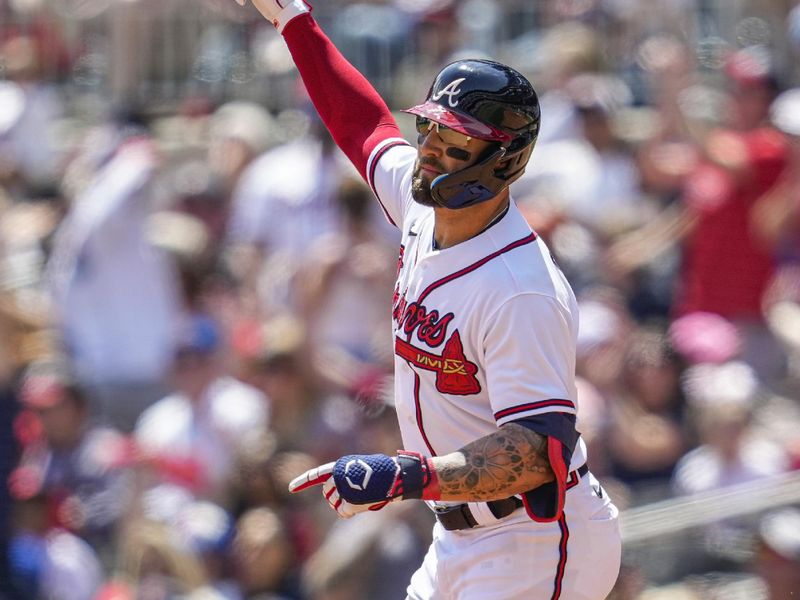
{"points": [[451, 90], [357, 465]]}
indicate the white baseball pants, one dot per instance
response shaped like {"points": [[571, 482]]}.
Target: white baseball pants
{"points": [[576, 558]]}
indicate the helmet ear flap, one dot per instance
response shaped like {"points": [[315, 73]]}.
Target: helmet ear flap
{"points": [[513, 165]]}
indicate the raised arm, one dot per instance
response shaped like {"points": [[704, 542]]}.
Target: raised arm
{"points": [[354, 113]]}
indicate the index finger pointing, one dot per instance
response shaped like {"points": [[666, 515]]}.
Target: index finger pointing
{"points": [[312, 477]]}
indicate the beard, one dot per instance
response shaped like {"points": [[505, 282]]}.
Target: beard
{"points": [[421, 188]]}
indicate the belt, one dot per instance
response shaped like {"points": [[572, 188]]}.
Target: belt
{"points": [[460, 516]]}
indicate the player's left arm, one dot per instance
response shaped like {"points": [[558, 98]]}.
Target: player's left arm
{"points": [[513, 460], [529, 361], [510, 461]]}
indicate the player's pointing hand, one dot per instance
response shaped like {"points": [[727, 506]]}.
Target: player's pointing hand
{"points": [[359, 482], [312, 477]]}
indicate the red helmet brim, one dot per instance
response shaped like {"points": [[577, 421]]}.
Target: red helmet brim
{"points": [[458, 121]]}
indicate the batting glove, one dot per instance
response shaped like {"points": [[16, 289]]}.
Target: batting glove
{"points": [[279, 12], [361, 482]]}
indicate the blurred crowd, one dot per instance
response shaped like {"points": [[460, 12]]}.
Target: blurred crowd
{"points": [[195, 293]]}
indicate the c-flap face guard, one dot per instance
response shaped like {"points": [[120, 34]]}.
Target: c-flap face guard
{"points": [[471, 185]]}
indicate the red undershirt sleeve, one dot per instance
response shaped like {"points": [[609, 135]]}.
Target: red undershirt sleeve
{"points": [[354, 113]]}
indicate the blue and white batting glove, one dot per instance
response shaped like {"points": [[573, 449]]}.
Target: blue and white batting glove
{"points": [[279, 12], [360, 482]]}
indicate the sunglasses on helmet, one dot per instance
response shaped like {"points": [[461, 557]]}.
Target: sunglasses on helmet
{"points": [[448, 136]]}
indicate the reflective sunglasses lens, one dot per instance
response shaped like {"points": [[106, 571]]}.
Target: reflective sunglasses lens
{"points": [[452, 137], [449, 136], [423, 125]]}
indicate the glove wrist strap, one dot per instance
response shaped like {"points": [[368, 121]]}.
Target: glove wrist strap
{"points": [[295, 8], [418, 476]]}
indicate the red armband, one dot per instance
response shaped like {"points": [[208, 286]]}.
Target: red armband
{"points": [[418, 476]]}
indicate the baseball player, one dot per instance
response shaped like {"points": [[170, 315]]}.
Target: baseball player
{"points": [[484, 338]]}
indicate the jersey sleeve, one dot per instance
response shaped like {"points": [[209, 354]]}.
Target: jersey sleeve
{"points": [[546, 502], [389, 171], [530, 364], [529, 349], [352, 110]]}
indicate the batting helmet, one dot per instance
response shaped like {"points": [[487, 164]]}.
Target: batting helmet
{"points": [[489, 101]]}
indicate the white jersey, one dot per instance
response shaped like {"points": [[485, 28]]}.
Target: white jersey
{"points": [[484, 332]]}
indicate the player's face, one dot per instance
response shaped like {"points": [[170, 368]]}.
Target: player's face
{"points": [[441, 151]]}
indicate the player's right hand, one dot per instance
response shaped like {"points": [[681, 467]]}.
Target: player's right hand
{"points": [[324, 475], [344, 508], [360, 482], [279, 12]]}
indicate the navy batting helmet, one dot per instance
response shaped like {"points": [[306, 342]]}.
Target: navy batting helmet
{"points": [[489, 101]]}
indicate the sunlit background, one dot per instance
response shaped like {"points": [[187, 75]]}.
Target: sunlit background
{"points": [[195, 289]]}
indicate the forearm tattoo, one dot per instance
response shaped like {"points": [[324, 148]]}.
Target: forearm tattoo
{"points": [[510, 461]]}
